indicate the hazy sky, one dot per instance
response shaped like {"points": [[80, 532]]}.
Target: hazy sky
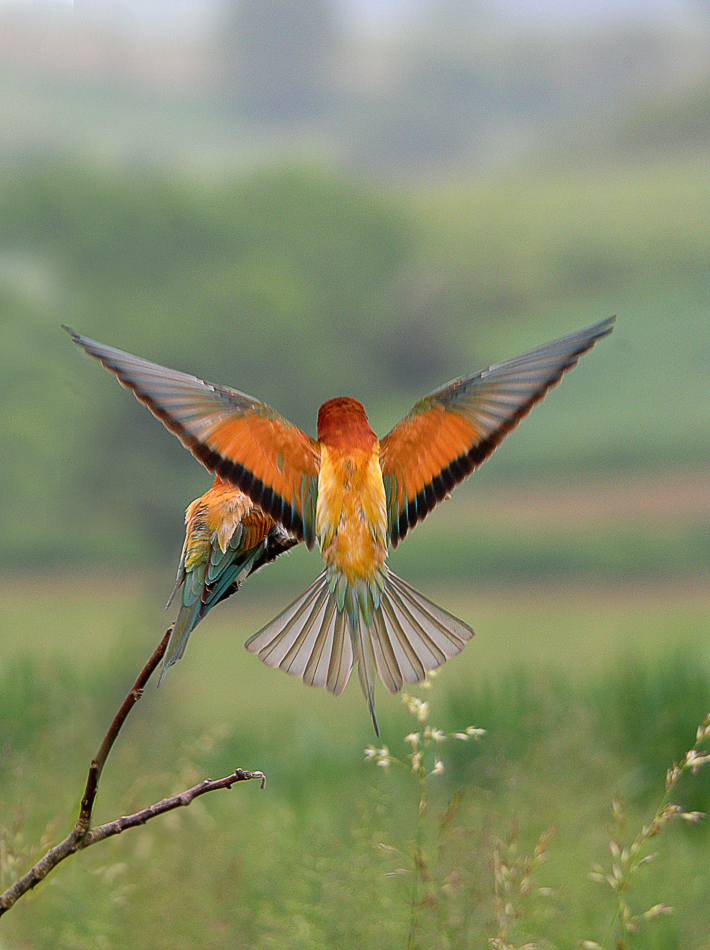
{"points": [[385, 12]]}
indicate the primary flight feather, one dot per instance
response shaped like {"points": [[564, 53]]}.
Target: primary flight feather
{"points": [[353, 494]]}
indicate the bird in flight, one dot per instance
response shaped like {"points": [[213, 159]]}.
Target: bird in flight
{"points": [[355, 496]]}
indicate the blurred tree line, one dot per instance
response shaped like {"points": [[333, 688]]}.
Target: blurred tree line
{"points": [[445, 87], [289, 285], [452, 84], [296, 284]]}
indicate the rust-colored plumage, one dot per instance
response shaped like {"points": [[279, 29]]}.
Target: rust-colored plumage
{"points": [[227, 539], [355, 496]]}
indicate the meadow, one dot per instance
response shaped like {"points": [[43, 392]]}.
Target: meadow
{"points": [[588, 688]]}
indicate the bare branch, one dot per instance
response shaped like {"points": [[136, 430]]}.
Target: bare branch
{"points": [[182, 800], [97, 764], [82, 835], [78, 840]]}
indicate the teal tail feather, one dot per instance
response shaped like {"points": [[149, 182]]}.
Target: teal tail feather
{"points": [[198, 597]]}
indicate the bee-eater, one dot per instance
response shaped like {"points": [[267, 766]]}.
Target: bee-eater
{"points": [[355, 496], [228, 538]]}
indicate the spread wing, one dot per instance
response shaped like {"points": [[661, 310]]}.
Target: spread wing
{"points": [[451, 431], [234, 435]]}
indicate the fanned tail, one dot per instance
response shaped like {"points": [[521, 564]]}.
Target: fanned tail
{"points": [[411, 635], [308, 640], [408, 636]]}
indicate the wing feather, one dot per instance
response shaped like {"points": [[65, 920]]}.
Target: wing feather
{"points": [[234, 435], [455, 428]]}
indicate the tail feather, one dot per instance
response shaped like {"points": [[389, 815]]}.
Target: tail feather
{"points": [[313, 638], [187, 620], [401, 656], [341, 660], [387, 665], [409, 631], [418, 636], [317, 670], [314, 644], [197, 599], [366, 665], [307, 639], [278, 642], [447, 632]]}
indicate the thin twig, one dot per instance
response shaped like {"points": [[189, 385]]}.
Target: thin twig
{"points": [[82, 835], [97, 764], [78, 840], [182, 800]]}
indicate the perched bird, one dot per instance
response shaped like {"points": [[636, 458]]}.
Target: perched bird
{"points": [[355, 496], [228, 538]]}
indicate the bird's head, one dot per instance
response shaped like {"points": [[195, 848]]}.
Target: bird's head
{"points": [[342, 423]]}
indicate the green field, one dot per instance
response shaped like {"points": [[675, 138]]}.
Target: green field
{"points": [[585, 693]]}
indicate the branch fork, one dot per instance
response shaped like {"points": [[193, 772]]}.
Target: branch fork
{"points": [[82, 834]]}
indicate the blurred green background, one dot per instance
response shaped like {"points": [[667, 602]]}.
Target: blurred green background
{"points": [[306, 200]]}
